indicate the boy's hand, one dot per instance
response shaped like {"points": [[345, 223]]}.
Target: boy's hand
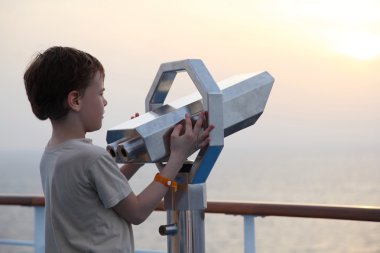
{"points": [[135, 115], [186, 142]]}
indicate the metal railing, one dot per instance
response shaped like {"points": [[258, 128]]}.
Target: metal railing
{"points": [[249, 210]]}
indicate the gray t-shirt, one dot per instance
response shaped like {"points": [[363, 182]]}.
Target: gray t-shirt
{"points": [[82, 183]]}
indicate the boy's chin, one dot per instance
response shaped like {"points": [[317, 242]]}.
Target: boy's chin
{"points": [[95, 128]]}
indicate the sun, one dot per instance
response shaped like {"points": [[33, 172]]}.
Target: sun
{"points": [[356, 44], [348, 27]]}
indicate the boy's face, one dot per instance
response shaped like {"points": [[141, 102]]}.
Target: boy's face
{"points": [[92, 104]]}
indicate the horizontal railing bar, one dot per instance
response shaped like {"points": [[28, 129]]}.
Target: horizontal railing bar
{"points": [[148, 251], [358, 213], [25, 200], [16, 242]]}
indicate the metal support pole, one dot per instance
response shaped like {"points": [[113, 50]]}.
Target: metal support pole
{"points": [[39, 229], [249, 234], [185, 211], [190, 237]]}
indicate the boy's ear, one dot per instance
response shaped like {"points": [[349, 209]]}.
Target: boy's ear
{"points": [[73, 100]]}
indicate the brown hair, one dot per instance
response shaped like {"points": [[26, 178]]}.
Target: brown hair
{"points": [[53, 74]]}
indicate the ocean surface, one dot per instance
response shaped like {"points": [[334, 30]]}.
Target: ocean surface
{"points": [[336, 178]]}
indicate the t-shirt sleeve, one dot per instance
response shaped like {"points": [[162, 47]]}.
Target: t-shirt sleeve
{"points": [[110, 184]]}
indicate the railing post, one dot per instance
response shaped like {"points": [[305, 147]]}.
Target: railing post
{"points": [[249, 234], [39, 229]]}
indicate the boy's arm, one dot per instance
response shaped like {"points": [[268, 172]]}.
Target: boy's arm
{"points": [[135, 209], [130, 169]]}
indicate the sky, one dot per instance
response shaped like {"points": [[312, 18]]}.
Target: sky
{"points": [[324, 56]]}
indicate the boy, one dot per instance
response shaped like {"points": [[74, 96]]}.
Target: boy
{"points": [[89, 204]]}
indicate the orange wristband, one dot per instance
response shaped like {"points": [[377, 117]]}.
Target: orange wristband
{"points": [[166, 181]]}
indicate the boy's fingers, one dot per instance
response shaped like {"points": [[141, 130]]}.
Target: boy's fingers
{"points": [[188, 123], [204, 138], [135, 115], [201, 117], [177, 130], [210, 128], [206, 132], [204, 143], [199, 123]]}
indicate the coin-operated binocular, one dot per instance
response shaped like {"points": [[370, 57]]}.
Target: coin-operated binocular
{"points": [[232, 105]]}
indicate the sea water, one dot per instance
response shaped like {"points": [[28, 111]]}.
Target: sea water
{"points": [[334, 178]]}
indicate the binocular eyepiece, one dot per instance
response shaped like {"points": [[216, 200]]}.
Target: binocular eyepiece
{"points": [[126, 148]]}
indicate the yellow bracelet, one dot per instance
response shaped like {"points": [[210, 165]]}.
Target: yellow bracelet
{"points": [[166, 181]]}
